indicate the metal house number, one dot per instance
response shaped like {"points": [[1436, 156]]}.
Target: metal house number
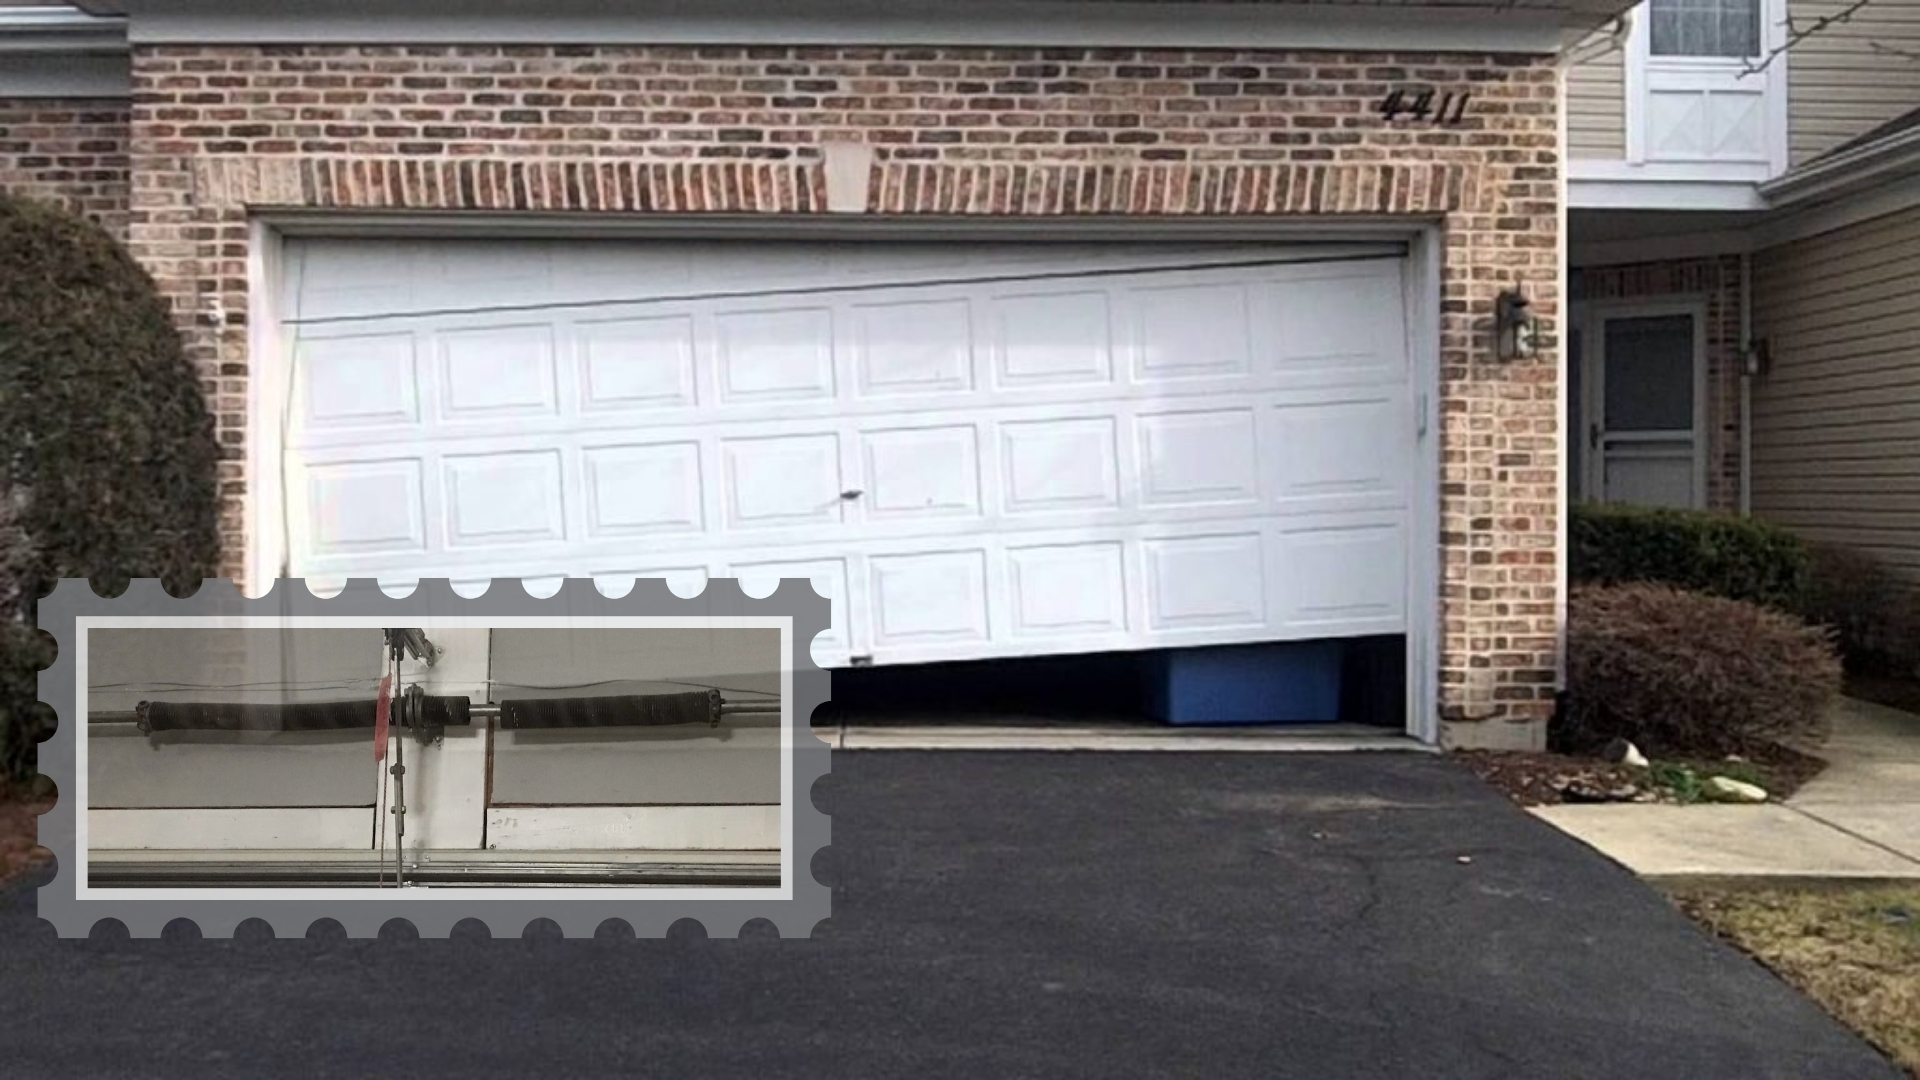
{"points": [[1424, 105]]}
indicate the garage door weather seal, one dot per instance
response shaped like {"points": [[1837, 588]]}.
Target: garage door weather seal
{"points": [[794, 906]]}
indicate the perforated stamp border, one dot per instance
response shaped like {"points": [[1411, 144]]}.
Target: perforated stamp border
{"points": [[578, 911]]}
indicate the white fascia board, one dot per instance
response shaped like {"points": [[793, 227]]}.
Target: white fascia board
{"points": [[1046, 23], [1735, 195], [1854, 170], [59, 30], [62, 52], [1799, 223]]}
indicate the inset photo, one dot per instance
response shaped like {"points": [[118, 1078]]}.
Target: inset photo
{"points": [[432, 757], [623, 762]]}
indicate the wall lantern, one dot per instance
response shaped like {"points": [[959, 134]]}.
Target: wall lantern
{"points": [[1515, 325]]}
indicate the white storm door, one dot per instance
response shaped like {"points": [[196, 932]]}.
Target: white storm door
{"points": [[1705, 88], [1644, 395]]}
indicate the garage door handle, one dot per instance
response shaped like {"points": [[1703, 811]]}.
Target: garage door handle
{"points": [[849, 496]]}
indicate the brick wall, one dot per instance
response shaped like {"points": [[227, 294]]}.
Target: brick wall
{"points": [[73, 152], [1717, 281], [222, 131]]}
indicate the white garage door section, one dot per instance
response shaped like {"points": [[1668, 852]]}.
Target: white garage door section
{"points": [[975, 450]]}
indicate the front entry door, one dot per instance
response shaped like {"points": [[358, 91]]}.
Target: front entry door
{"points": [[1643, 394]]}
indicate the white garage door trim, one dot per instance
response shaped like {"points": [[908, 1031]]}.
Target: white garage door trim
{"points": [[1418, 299]]}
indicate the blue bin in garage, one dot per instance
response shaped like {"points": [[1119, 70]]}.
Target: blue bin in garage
{"points": [[1295, 682]]}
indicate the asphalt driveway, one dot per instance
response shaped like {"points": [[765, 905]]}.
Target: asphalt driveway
{"points": [[1005, 915]]}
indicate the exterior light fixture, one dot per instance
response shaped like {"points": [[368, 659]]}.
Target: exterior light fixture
{"points": [[1515, 326]]}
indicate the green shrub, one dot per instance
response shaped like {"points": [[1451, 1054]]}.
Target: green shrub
{"points": [[1713, 553], [1872, 612], [1684, 674], [108, 446]]}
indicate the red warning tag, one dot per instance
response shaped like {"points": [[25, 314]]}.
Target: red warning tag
{"points": [[380, 718]]}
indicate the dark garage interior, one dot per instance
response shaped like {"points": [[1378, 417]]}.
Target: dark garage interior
{"points": [[1099, 688]]}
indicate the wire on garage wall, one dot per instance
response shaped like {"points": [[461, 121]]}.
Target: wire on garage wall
{"points": [[816, 290]]}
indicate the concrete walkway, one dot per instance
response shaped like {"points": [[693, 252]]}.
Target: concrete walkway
{"points": [[1858, 819]]}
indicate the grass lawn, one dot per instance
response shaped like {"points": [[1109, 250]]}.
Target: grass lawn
{"points": [[1855, 949]]}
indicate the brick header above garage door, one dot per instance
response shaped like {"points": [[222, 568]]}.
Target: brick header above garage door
{"points": [[221, 133]]}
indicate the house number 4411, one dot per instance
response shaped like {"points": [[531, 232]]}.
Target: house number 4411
{"points": [[1426, 106]]}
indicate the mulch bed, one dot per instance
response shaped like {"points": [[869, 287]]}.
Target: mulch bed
{"points": [[1538, 779], [1546, 779]]}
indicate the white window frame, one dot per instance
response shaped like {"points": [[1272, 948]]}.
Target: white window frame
{"points": [[1645, 72], [1592, 317]]}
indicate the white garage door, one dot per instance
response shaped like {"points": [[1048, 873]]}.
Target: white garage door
{"points": [[975, 450]]}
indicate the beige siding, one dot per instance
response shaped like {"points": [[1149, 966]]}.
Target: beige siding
{"points": [[1840, 84], [1597, 103], [1836, 432]]}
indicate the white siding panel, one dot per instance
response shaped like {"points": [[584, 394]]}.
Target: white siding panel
{"points": [[1596, 103], [1851, 76], [1836, 437]]}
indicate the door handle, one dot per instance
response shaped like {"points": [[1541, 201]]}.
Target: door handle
{"points": [[1593, 436], [849, 496]]}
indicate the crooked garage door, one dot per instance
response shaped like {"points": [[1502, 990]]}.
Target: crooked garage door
{"points": [[975, 450]]}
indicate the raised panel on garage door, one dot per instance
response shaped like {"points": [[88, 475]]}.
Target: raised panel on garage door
{"points": [[975, 450]]}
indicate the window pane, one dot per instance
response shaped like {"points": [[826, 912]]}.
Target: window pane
{"points": [[1704, 27], [1649, 376]]}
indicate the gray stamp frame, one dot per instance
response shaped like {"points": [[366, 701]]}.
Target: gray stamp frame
{"points": [[575, 910]]}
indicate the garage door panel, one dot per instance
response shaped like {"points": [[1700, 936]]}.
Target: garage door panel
{"points": [[1342, 454], [1182, 331], [1034, 473], [775, 355], [915, 473], [1339, 327], [645, 362], [1067, 590], [1344, 579], [783, 481], [363, 508], [499, 372], [1051, 338], [1198, 457], [1058, 465], [643, 489], [928, 597], [913, 346], [359, 278], [359, 381], [1211, 581], [633, 371], [503, 498], [1111, 451]]}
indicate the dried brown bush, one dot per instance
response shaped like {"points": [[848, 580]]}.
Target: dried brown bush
{"points": [[1684, 673]]}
